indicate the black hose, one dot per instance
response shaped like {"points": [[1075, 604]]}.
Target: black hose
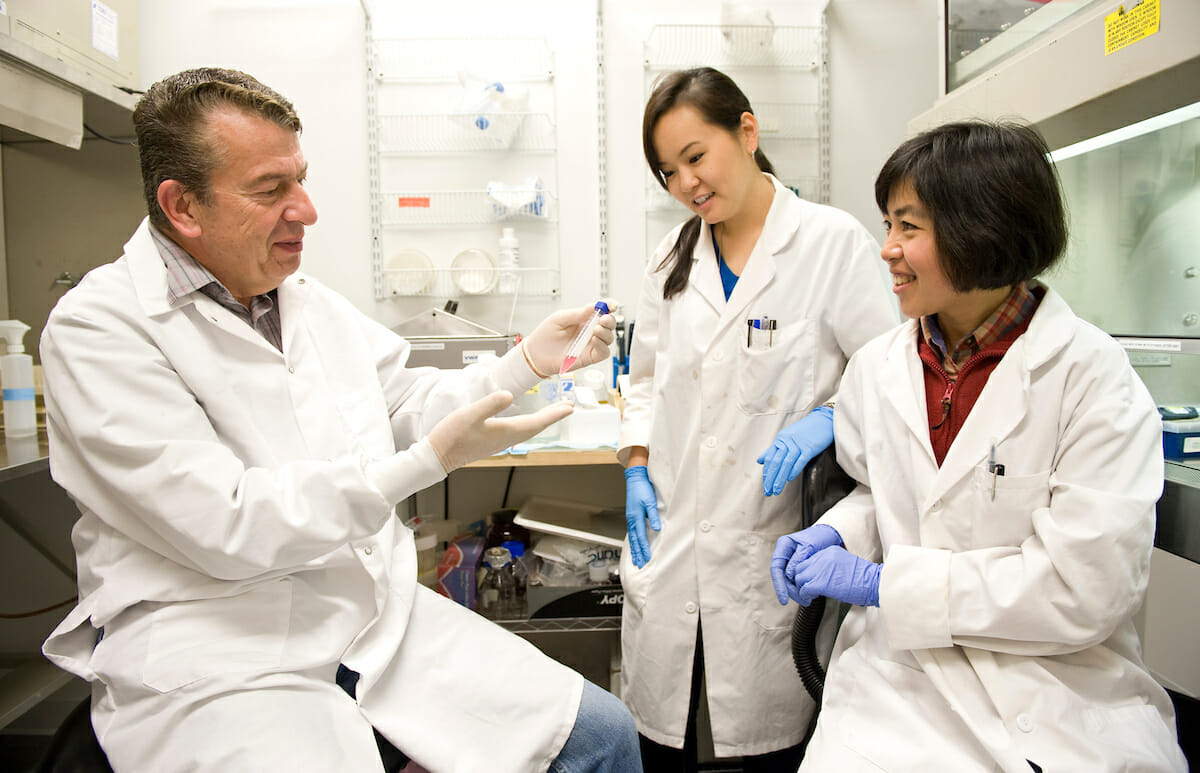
{"points": [[804, 647], [824, 484]]}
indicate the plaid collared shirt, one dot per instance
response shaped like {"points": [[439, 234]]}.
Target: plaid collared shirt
{"points": [[1016, 309], [185, 276]]}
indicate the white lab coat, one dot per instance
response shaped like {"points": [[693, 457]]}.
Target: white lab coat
{"points": [[706, 405], [233, 526], [1004, 628]]}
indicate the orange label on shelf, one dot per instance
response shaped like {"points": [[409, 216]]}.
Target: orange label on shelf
{"points": [[413, 201], [1126, 27]]}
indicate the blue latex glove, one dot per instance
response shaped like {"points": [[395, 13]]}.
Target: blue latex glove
{"points": [[794, 447], [792, 549], [641, 504], [838, 574]]}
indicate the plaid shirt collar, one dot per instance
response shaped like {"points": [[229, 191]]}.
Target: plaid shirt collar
{"points": [[185, 276], [1016, 309]]}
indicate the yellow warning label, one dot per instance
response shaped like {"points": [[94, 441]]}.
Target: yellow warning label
{"points": [[1125, 27]]}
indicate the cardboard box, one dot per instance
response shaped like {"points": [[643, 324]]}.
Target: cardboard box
{"points": [[585, 601], [457, 569]]}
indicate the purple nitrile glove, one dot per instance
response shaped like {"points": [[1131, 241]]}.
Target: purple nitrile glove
{"points": [[838, 574], [792, 549]]}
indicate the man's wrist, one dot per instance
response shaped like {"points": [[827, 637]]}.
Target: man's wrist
{"points": [[529, 362]]}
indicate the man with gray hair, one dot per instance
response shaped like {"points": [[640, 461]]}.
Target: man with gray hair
{"points": [[236, 436]]}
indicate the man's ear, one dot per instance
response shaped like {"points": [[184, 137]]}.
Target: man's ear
{"points": [[179, 205]]}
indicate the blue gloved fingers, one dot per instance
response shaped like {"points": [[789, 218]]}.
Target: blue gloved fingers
{"points": [[808, 542], [638, 547], [652, 516], [794, 460], [785, 546], [794, 447], [640, 503]]}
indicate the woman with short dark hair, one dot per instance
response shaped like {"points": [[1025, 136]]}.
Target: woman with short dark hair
{"points": [[1008, 461]]}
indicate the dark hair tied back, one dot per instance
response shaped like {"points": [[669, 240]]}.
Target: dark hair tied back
{"points": [[721, 103]]}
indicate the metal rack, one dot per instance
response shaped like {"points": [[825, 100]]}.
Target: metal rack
{"points": [[440, 209], [563, 625], [433, 208], [683, 45], [446, 282], [453, 133]]}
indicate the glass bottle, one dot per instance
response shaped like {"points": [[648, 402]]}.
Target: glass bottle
{"points": [[497, 597]]}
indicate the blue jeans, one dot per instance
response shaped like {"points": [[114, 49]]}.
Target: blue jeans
{"points": [[604, 739]]}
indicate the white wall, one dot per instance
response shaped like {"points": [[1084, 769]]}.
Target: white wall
{"points": [[883, 71], [312, 52], [883, 62]]}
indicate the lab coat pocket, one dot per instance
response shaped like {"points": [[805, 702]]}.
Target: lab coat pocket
{"points": [[775, 370], [635, 583], [1007, 503], [760, 599], [192, 640], [1138, 735]]}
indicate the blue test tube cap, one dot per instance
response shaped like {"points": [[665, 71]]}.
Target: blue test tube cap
{"points": [[601, 307]]}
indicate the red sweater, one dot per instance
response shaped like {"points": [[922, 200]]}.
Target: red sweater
{"points": [[948, 402]]}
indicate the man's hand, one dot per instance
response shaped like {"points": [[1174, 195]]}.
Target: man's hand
{"points": [[473, 431], [547, 345]]}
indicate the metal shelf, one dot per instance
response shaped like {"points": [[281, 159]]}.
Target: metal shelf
{"points": [[730, 46], [562, 625], [788, 120], [454, 282], [447, 133], [435, 60], [421, 208], [1183, 473]]}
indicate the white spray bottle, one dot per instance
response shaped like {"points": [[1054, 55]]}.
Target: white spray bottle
{"points": [[16, 379]]}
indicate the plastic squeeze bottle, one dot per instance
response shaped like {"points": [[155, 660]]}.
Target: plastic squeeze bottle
{"points": [[16, 378], [510, 259]]}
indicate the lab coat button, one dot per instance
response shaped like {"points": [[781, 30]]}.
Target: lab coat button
{"points": [[711, 442], [367, 550], [300, 281], [1025, 723], [291, 370], [690, 608], [705, 526]]}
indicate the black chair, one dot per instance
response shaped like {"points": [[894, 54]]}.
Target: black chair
{"points": [[824, 483], [74, 748]]}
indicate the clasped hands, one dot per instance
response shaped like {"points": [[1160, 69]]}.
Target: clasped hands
{"points": [[813, 562]]}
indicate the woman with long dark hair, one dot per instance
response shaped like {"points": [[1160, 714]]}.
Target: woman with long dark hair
{"points": [[749, 312]]}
